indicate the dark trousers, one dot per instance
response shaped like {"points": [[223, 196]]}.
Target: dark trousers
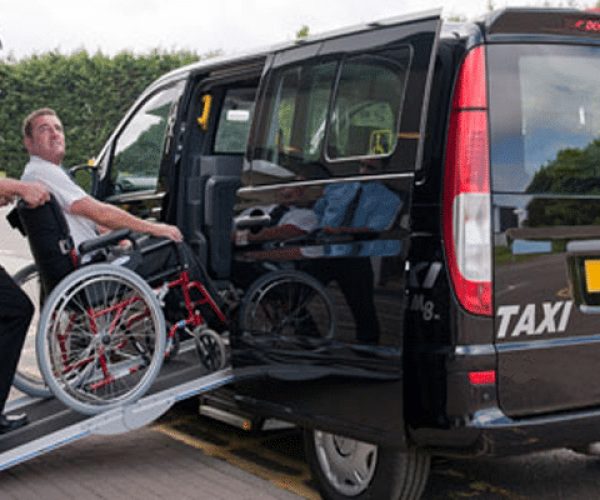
{"points": [[16, 311]]}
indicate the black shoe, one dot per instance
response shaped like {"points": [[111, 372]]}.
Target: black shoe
{"points": [[11, 422]]}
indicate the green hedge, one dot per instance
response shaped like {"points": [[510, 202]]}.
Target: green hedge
{"points": [[89, 92]]}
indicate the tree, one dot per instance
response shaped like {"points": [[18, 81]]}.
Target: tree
{"points": [[574, 171], [89, 92], [302, 32]]}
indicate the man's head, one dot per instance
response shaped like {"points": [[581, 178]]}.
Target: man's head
{"points": [[43, 135]]}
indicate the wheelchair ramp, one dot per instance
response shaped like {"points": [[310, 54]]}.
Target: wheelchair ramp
{"points": [[53, 425]]}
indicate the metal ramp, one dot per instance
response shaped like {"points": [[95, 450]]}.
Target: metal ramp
{"points": [[52, 424]]}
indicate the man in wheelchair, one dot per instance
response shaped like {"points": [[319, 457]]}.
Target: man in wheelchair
{"points": [[102, 321], [86, 217]]}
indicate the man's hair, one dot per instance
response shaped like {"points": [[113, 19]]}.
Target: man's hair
{"points": [[28, 121]]}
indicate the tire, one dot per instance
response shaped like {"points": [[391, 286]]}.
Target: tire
{"points": [[28, 377], [346, 469], [101, 339], [287, 308]]}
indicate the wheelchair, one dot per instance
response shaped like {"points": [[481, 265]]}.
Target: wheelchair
{"points": [[102, 337]]}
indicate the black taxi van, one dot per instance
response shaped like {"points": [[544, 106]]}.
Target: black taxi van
{"points": [[442, 182]]}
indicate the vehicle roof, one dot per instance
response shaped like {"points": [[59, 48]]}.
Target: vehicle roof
{"points": [[512, 21], [256, 54]]}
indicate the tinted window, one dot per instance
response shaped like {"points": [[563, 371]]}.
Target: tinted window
{"points": [[545, 118], [234, 121], [292, 139], [332, 118], [365, 114]]}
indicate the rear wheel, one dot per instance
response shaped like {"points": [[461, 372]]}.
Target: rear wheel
{"points": [[28, 377], [102, 338], [345, 468]]}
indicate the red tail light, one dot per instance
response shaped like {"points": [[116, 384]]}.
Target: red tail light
{"points": [[487, 377], [467, 201]]}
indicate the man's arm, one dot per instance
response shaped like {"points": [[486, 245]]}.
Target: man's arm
{"points": [[33, 193], [113, 217]]}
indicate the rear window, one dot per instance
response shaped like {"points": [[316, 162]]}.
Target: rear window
{"points": [[545, 119]]}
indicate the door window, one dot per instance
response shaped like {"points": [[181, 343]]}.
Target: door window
{"points": [[333, 117], [365, 115], [294, 133], [139, 149]]}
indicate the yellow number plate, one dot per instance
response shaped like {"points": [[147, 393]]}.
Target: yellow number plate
{"points": [[592, 276]]}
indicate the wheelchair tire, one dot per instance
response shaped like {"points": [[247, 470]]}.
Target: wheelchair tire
{"points": [[287, 308], [101, 338], [28, 377]]}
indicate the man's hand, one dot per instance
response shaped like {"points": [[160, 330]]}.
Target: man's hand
{"points": [[166, 231], [116, 218], [33, 193]]}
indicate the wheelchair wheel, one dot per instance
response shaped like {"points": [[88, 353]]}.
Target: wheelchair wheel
{"points": [[101, 338], [287, 309], [210, 348], [28, 377]]}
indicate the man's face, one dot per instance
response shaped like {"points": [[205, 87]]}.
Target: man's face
{"points": [[47, 139]]}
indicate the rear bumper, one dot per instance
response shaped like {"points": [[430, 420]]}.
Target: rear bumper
{"points": [[491, 433]]}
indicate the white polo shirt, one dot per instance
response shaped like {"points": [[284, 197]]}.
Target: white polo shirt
{"points": [[66, 192]]}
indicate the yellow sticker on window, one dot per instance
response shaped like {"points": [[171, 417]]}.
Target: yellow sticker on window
{"points": [[380, 142], [592, 276]]}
